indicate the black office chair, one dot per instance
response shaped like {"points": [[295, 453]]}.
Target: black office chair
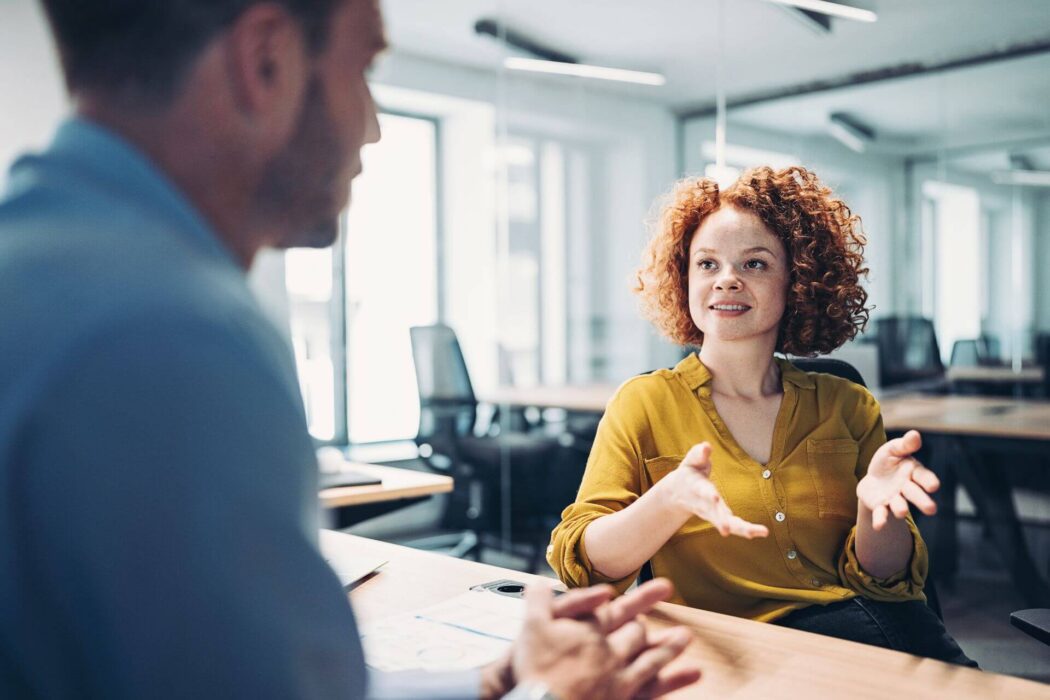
{"points": [[1042, 358], [501, 481], [908, 351], [844, 370]]}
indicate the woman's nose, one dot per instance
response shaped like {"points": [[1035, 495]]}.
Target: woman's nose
{"points": [[728, 280]]}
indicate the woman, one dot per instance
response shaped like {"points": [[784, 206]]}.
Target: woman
{"points": [[734, 441]]}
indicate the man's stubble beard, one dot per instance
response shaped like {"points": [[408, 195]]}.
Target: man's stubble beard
{"points": [[297, 188]]}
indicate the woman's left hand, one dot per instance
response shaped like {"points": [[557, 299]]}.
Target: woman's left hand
{"points": [[894, 478]]}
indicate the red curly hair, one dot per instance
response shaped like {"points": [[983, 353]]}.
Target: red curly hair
{"points": [[824, 243]]}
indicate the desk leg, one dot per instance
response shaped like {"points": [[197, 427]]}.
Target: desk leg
{"points": [[941, 531], [989, 487]]}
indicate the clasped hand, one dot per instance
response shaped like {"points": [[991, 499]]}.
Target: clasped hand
{"points": [[896, 478], [585, 645]]}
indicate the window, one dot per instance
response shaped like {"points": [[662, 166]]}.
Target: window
{"points": [[350, 307], [953, 277]]}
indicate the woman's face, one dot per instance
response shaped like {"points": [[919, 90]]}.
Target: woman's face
{"points": [[738, 277]]}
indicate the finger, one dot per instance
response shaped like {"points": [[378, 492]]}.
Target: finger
{"points": [[699, 457], [669, 682], [722, 519], [899, 506], [879, 516], [926, 479], [742, 528], [538, 596], [630, 605], [582, 602], [906, 445], [629, 641], [920, 498], [650, 662]]}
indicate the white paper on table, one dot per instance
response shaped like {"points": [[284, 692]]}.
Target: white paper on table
{"points": [[350, 571], [464, 632]]}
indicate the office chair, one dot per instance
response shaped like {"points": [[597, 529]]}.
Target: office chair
{"points": [[966, 353], [908, 350], [847, 371], [501, 481], [1042, 358]]}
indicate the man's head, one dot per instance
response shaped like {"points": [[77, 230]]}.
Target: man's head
{"points": [[266, 102]]}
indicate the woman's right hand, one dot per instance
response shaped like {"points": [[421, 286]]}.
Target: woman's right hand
{"points": [[689, 490]]}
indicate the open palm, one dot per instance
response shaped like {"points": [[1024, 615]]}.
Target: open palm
{"points": [[896, 478]]}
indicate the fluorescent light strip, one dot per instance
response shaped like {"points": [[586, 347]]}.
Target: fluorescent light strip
{"points": [[582, 70], [1030, 178], [831, 8], [846, 136]]}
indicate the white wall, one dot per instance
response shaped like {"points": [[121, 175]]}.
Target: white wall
{"points": [[32, 95]]}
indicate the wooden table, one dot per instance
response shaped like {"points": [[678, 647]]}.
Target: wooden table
{"points": [[739, 658], [973, 440], [995, 375], [1025, 419], [399, 488], [579, 398]]}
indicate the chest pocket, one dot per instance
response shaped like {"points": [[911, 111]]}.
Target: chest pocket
{"points": [[832, 465]]}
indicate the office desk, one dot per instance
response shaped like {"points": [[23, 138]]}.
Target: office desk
{"points": [[739, 658], [577, 398], [995, 375], [996, 381], [399, 488], [963, 434]]}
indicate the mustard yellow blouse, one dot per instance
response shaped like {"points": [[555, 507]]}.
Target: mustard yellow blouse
{"points": [[825, 435]]}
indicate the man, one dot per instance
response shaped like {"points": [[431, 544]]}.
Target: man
{"points": [[158, 484]]}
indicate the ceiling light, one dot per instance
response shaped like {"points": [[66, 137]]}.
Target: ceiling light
{"points": [[849, 132], [724, 175], [834, 9], [583, 70], [1029, 178]]}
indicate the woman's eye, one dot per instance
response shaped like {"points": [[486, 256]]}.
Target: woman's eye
{"points": [[706, 264], [755, 265]]}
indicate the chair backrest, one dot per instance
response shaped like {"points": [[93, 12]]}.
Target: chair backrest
{"points": [[827, 365], [1042, 358], [908, 350], [966, 353], [447, 405]]}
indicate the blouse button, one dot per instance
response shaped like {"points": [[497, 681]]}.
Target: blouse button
{"points": [[792, 554], [766, 474], [780, 517]]}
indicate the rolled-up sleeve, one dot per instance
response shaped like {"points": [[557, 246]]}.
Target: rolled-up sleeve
{"points": [[908, 583], [611, 482], [905, 585]]}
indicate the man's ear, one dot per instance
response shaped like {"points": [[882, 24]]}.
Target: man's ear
{"points": [[268, 68]]}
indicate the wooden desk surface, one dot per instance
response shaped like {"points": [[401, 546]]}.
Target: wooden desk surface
{"points": [[739, 658], [585, 398], [968, 415], [397, 484], [996, 375]]}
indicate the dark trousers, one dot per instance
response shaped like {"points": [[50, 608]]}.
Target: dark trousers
{"points": [[909, 626]]}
